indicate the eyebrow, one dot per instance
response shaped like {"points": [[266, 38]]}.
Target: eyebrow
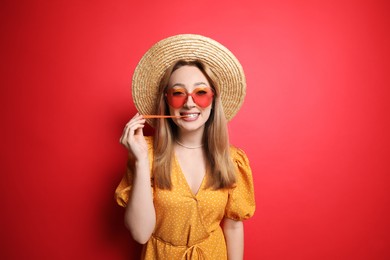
{"points": [[182, 85], [200, 83], [178, 85]]}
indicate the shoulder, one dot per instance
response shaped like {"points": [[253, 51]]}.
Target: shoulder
{"points": [[238, 155]]}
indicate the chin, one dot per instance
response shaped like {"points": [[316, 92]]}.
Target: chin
{"points": [[191, 127]]}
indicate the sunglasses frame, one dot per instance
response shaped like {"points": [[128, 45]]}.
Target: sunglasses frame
{"points": [[209, 95]]}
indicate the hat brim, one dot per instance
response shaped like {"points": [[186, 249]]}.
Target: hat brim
{"points": [[189, 47]]}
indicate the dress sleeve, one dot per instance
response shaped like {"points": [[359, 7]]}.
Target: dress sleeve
{"points": [[122, 192], [241, 201]]}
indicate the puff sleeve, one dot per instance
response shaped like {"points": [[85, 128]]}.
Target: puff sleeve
{"points": [[122, 192], [241, 200]]}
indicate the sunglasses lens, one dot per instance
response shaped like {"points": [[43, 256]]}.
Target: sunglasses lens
{"points": [[203, 96], [176, 97]]}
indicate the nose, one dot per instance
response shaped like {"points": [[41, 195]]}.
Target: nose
{"points": [[190, 102]]}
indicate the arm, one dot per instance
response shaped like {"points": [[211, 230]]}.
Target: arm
{"points": [[234, 235], [140, 215]]}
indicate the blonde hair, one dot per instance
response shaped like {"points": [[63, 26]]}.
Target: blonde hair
{"points": [[221, 171]]}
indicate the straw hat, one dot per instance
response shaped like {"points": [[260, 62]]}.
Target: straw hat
{"points": [[151, 68]]}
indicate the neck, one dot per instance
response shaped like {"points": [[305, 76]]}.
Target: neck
{"points": [[191, 139], [189, 147]]}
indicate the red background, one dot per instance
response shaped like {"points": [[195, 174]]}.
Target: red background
{"points": [[315, 122]]}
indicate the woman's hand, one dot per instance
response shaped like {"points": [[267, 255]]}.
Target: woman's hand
{"points": [[133, 138]]}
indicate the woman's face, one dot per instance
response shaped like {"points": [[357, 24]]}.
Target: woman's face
{"points": [[189, 94]]}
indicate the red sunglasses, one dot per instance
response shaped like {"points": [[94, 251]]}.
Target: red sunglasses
{"points": [[177, 96]]}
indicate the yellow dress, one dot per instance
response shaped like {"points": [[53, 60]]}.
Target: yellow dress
{"points": [[187, 224]]}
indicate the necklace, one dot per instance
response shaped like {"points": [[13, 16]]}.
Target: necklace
{"points": [[188, 147]]}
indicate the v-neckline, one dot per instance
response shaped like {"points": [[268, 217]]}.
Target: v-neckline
{"points": [[185, 179]]}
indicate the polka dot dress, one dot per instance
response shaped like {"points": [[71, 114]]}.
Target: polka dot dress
{"points": [[187, 224]]}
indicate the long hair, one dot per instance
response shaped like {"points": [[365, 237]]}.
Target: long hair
{"points": [[220, 168]]}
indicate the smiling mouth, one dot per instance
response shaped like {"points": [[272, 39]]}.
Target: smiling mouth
{"points": [[189, 115]]}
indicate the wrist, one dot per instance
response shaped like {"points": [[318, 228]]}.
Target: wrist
{"points": [[141, 163]]}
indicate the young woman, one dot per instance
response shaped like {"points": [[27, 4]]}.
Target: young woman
{"points": [[187, 189]]}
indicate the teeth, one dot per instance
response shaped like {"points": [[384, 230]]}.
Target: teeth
{"points": [[192, 115]]}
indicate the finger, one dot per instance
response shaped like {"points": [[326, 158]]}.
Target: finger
{"points": [[126, 133], [139, 130], [133, 121], [134, 124], [134, 129], [131, 131], [136, 120]]}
